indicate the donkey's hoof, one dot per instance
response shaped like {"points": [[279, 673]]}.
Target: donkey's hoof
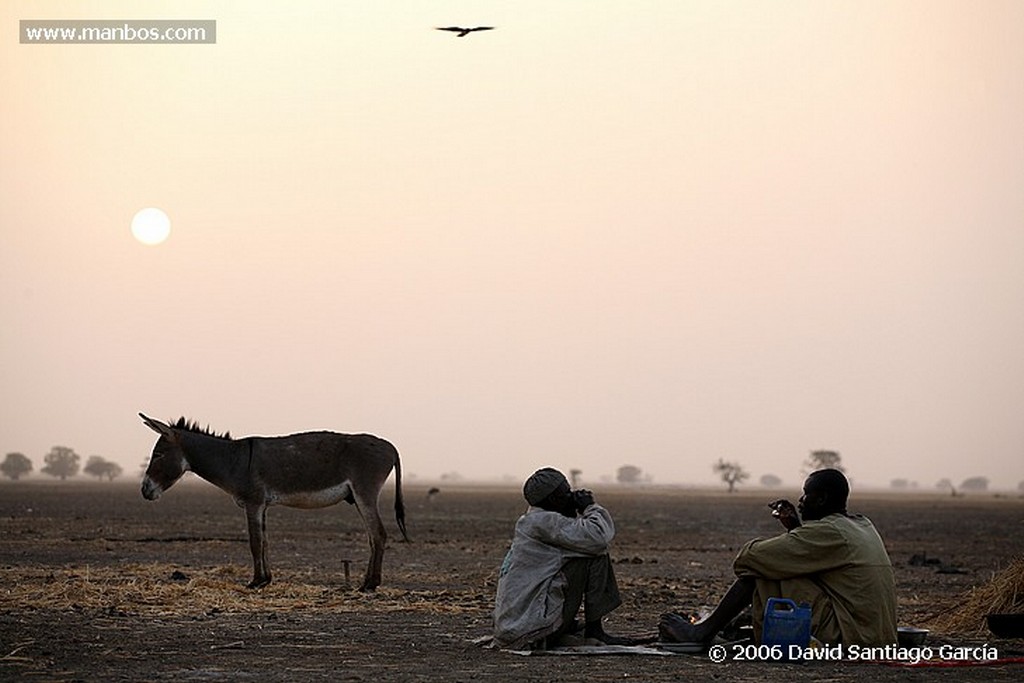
{"points": [[258, 583]]}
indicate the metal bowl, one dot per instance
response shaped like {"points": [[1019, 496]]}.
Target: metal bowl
{"points": [[908, 636], [1006, 625]]}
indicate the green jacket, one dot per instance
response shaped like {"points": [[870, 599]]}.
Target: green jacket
{"points": [[839, 566]]}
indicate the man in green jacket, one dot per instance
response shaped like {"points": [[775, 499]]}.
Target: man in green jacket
{"points": [[833, 561]]}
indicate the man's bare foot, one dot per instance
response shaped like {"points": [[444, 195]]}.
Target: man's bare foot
{"points": [[608, 639], [595, 631], [675, 628]]}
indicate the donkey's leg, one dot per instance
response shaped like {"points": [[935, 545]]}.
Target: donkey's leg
{"points": [[256, 515], [378, 537]]}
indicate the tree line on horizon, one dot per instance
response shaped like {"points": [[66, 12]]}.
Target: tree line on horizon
{"points": [[61, 463], [732, 474]]}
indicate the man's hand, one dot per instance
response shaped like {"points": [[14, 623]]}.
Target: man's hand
{"points": [[784, 511], [583, 498]]}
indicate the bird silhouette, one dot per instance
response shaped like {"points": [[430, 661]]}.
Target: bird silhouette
{"points": [[463, 32]]}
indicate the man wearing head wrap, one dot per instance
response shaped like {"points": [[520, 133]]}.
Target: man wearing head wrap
{"points": [[833, 561], [558, 561]]}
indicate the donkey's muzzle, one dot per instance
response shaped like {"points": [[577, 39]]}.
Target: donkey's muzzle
{"points": [[150, 489]]}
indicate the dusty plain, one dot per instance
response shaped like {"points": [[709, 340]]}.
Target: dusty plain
{"points": [[99, 584]]}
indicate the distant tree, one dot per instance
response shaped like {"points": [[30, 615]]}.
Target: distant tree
{"points": [[95, 466], [1020, 486], [15, 465], [100, 468], [770, 481], [574, 477], [628, 474], [61, 462], [974, 484], [946, 485], [823, 460], [113, 471], [899, 483], [730, 472]]}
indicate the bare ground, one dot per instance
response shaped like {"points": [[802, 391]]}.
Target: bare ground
{"points": [[99, 584]]}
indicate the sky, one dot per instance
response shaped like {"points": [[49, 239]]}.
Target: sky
{"points": [[644, 233]]}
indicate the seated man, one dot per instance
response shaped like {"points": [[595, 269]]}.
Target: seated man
{"points": [[834, 562], [558, 559]]}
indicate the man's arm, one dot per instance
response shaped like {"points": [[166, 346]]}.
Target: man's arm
{"points": [[809, 549], [588, 534]]}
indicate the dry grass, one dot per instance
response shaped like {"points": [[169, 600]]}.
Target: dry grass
{"points": [[1003, 594], [149, 589]]}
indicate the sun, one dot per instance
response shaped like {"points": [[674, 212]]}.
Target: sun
{"points": [[151, 226]]}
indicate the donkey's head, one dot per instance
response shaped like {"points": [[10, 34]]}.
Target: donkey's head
{"points": [[167, 463]]}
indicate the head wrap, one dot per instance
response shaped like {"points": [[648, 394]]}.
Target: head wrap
{"points": [[542, 484]]}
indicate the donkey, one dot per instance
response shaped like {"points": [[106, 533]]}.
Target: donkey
{"points": [[307, 470]]}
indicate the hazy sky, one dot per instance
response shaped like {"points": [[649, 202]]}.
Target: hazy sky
{"points": [[605, 233]]}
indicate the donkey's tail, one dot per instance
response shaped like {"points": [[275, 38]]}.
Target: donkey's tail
{"points": [[399, 502]]}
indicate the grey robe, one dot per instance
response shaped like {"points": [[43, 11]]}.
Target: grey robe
{"points": [[528, 606]]}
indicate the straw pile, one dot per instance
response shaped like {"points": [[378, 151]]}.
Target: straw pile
{"points": [[161, 590], [1004, 594]]}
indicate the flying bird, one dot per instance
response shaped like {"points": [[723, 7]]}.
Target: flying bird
{"points": [[463, 32]]}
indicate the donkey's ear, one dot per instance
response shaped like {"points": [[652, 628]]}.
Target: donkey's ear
{"points": [[157, 426]]}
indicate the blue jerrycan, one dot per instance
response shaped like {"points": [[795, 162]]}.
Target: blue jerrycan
{"points": [[786, 624]]}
